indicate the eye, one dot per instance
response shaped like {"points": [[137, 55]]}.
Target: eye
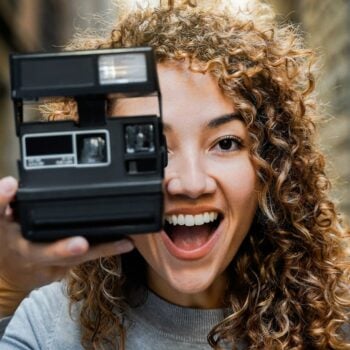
{"points": [[228, 144]]}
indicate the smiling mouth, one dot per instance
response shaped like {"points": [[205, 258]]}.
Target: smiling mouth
{"points": [[191, 232]]}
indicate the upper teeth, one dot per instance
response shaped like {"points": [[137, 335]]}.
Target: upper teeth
{"points": [[191, 220]]}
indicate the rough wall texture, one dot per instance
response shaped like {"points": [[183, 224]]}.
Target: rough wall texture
{"points": [[326, 25]]}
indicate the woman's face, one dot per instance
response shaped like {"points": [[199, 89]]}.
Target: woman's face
{"points": [[210, 188]]}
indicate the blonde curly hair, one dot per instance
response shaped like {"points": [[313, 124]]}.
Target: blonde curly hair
{"points": [[289, 282]]}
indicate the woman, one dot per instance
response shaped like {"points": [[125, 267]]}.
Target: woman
{"points": [[252, 254]]}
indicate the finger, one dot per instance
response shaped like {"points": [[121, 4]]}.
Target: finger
{"points": [[56, 252], [8, 211], [68, 252], [11, 238], [108, 249], [98, 251], [8, 188], [46, 254]]}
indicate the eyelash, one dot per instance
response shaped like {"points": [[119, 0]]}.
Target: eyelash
{"points": [[235, 139]]}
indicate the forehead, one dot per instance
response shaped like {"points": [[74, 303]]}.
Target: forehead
{"points": [[183, 92]]}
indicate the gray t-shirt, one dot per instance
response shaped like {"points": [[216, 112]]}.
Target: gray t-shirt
{"points": [[42, 322]]}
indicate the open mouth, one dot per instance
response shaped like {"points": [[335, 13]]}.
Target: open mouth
{"points": [[191, 232]]}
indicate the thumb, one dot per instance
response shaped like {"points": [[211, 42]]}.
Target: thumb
{"points": [[8, 188]]}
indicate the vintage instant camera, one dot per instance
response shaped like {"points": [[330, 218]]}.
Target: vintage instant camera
{"points": [[101, 176]]}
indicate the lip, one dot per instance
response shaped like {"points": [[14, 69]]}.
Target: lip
{"points": [[194, 254], [193, 211]]}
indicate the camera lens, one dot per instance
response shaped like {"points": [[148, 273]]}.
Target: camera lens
{"points": [[91, 149], [139, 138]]}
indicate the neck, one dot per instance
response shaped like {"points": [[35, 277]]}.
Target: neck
{"points": [[210, 298]]}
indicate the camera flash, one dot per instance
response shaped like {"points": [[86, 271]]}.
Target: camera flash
{"points": [[122, 69]]}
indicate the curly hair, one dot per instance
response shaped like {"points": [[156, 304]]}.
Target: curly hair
{"points": [[289, 282]]}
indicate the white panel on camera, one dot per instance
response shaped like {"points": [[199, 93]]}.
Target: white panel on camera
{"points": [[122, 68]]}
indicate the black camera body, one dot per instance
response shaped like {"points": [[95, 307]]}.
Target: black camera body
{"points": [[101, 176]]}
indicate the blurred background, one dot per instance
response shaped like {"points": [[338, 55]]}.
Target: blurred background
{"points": [[37, 25]]}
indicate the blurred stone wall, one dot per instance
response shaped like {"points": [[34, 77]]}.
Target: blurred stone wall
{"points": [[326, 25]]}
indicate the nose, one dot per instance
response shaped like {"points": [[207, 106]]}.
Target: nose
{"points": [[187, 175]]}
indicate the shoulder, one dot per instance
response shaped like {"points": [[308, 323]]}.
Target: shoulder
{"points": [[43, 320], [45, 304], [47, 299]]}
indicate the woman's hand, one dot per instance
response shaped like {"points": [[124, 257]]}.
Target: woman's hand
{"points": [[25, 265]]}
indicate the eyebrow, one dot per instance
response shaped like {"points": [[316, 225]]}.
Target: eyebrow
{"points": [[223, 119], [215, 122]]}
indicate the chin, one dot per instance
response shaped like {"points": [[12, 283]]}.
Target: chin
{"points": [[191, 282]]}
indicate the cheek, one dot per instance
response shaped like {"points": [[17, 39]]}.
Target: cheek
{"points": [[237, 178]]}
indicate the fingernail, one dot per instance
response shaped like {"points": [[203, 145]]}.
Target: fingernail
{"points": [[77, 245], [8, 185], [124, 246]]}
